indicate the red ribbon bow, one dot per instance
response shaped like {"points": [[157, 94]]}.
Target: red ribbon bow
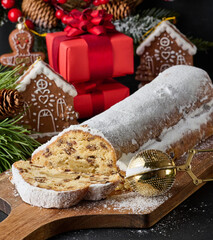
{"points": [[96, 22]]}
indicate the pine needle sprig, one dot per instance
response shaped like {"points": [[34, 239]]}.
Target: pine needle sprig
{"points": [[137, 25], [202, 45], [8, 77], [158, 13], [15, 143]]}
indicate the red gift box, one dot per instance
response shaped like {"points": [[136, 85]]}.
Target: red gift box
{"points": [[103, 97], [74, 56]]}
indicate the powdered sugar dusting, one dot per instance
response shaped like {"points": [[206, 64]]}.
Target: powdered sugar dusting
{"points": [[155, 109], [128, 203], [135, 203]]}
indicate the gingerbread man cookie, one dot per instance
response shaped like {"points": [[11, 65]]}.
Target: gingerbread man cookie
{"points": [[21, 43]]}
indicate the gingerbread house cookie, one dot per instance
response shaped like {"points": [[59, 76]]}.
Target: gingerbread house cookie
{"points": [[48, 100], [166, 46]]}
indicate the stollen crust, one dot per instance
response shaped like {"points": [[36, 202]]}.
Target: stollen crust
{"points": [[173, 113], [45, 198]]}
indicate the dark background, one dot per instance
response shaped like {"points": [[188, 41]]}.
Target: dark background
{"points": [[193, 219]]}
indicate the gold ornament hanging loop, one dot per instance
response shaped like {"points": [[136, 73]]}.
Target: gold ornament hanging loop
{"points": [[21, 23]]}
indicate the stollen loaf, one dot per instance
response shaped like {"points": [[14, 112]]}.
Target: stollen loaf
{"points": [[172, 113]]}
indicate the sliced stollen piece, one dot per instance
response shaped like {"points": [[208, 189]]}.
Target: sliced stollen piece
{"points": [[173, 113], [100, 191], [51, 188], [79, 149], [31, 191]]}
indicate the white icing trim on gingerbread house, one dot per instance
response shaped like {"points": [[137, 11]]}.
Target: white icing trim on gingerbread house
{"points": [[175, 34], [41, 67], [41, 135]]}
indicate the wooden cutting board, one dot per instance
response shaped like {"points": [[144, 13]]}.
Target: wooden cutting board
{"points": [[28, 222]]}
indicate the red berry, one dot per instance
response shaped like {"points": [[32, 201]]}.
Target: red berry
{"points": [[61, 1], [30, 24], [46, 0], [7, 3], [59, 14], [64, 19], [103, 1], [96, 2], [14, 14]]}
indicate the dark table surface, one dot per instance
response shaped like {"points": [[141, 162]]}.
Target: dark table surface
{"points": [[193, 219]]}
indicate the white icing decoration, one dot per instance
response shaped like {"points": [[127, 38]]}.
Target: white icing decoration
{"points": [[27, 111], [43, 99], [42, 84], [164, 67], [41, 135], [173, 32], [41, 67], [181, 60], [60, 107], [45, 113]]}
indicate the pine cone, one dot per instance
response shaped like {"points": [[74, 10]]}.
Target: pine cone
{"points": [[120, 8], [74, 4], [10, 102], [40, 12]]}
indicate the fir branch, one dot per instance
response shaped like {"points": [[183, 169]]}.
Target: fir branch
{"points": [[15, 144], [8, 77], [202, 45], [137, 25], [157, 13]]}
